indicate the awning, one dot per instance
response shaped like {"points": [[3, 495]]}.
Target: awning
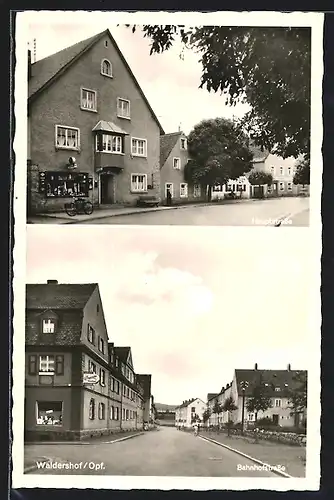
{"points": [[109, 170], [109, 127]]}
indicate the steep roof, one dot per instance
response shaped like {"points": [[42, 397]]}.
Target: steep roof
{"points": [[283, 379], [258, 155], [45, 71], [122, 353], [167, 143], [145, 382], [211, 395], [58, 296]]}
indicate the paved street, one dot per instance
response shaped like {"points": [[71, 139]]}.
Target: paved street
{"points": [[247, 213], [165, 452]]}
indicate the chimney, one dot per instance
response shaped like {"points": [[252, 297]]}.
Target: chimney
{"points": [[255, 366], [52, 282], [289, 367]]}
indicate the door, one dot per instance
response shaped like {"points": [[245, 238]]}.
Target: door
{"points": [[275, 419], [106, 189], [169, 192]]}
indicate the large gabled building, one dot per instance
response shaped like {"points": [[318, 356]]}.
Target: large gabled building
{"points": [[77, 383], [91, 129]]}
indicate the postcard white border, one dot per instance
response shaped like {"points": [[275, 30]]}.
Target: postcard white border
{"points": [[19, 480]]}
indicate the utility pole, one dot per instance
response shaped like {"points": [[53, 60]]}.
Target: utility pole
{"points": [[243, 385]]}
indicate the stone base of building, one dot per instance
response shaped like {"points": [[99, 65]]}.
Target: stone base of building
{"points": [[78, 435]]}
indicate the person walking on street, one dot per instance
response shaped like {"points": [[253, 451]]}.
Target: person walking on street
{"points": [[196, 429]]}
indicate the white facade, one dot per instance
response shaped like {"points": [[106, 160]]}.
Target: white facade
{"points": [[187, 412], [240, 187]]}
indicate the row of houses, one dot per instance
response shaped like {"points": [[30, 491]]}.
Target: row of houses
{"points": [[93, 133], [278, 385], [78, 384]]}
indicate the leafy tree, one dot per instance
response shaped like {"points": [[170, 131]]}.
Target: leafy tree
{"points": [[258, 178], [206, 415], [302, 175], [217, 409], [267, 67], [219, 151], [259, 401], [228, 406], [298, 394]]}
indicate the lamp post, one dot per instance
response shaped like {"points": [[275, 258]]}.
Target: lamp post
{"points": [[243, 385]]}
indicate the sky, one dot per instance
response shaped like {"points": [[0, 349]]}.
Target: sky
{"points": [[170, 84], [193, 304]]}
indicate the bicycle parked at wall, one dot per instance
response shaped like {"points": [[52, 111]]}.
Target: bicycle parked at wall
{"points": [[79, 206]]}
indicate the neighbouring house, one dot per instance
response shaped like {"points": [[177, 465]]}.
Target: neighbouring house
{"points": [[189, 412], [281, 169], [173, 159], [77, 383], [148, 400], [277, 383], [91, 130]]}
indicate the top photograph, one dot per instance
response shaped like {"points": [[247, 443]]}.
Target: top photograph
{"points": [[168, 125]]}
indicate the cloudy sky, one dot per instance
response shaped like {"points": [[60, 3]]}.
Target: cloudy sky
{"points": [[169, 83], [193, 305]]}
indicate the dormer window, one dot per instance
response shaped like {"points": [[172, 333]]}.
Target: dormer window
{"points": [[106, 68], [49, 325]]}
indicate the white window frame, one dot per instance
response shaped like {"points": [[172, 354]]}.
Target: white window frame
{"points": [[289, 170], [49, 360], [48, 322], [102, 72], [281, 186], [101, 344], [66, 127], [289, 186], [84, 89], [278, 403], [102, 411], [102, 377], [197, 190], [110, 139], [172, 190], [134, 185], [281, 171], [185, 188], [272, 170], [183, 140], [122, 99], [178, 163], [136, 140]]}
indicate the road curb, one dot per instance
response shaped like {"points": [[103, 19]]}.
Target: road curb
{"points": [[122, 439], [255, 460], [35, 467]]}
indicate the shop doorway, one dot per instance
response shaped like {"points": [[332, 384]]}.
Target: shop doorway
{"points": [[107, 194]]}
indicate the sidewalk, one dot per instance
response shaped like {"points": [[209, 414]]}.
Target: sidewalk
{"points": [[293, 458], [104, 213]]}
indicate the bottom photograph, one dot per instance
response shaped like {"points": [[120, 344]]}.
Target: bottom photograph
{"points": [[148, 354]]}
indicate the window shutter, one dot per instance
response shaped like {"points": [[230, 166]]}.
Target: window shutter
{"points": [[60, 364], [32, 366]]}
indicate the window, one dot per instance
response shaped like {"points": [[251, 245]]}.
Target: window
{"points": [[46, 364], [193, 409], [272, 169], [67, 137], [277, 389], [32, 364], [124, 390], [91, 367], [123, 108], [183, 143], [139, 147], [62, 184], [289, 170], [112, 413], [107, 143], [197, 190], [102, 411], [138, 182], [101, 344], [127, 392], [60, 364], [126, 414], [106, 43], [183, 190], [102, 377], [277, 402], [289, 186], [281, 170], [116, 362], [123, 414], [117, 386], [176, 163], [88, 99], [106, 68], [116, 413], [91, 334], [49, 412], [48, 326], [281, 186], [251, 417]]}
